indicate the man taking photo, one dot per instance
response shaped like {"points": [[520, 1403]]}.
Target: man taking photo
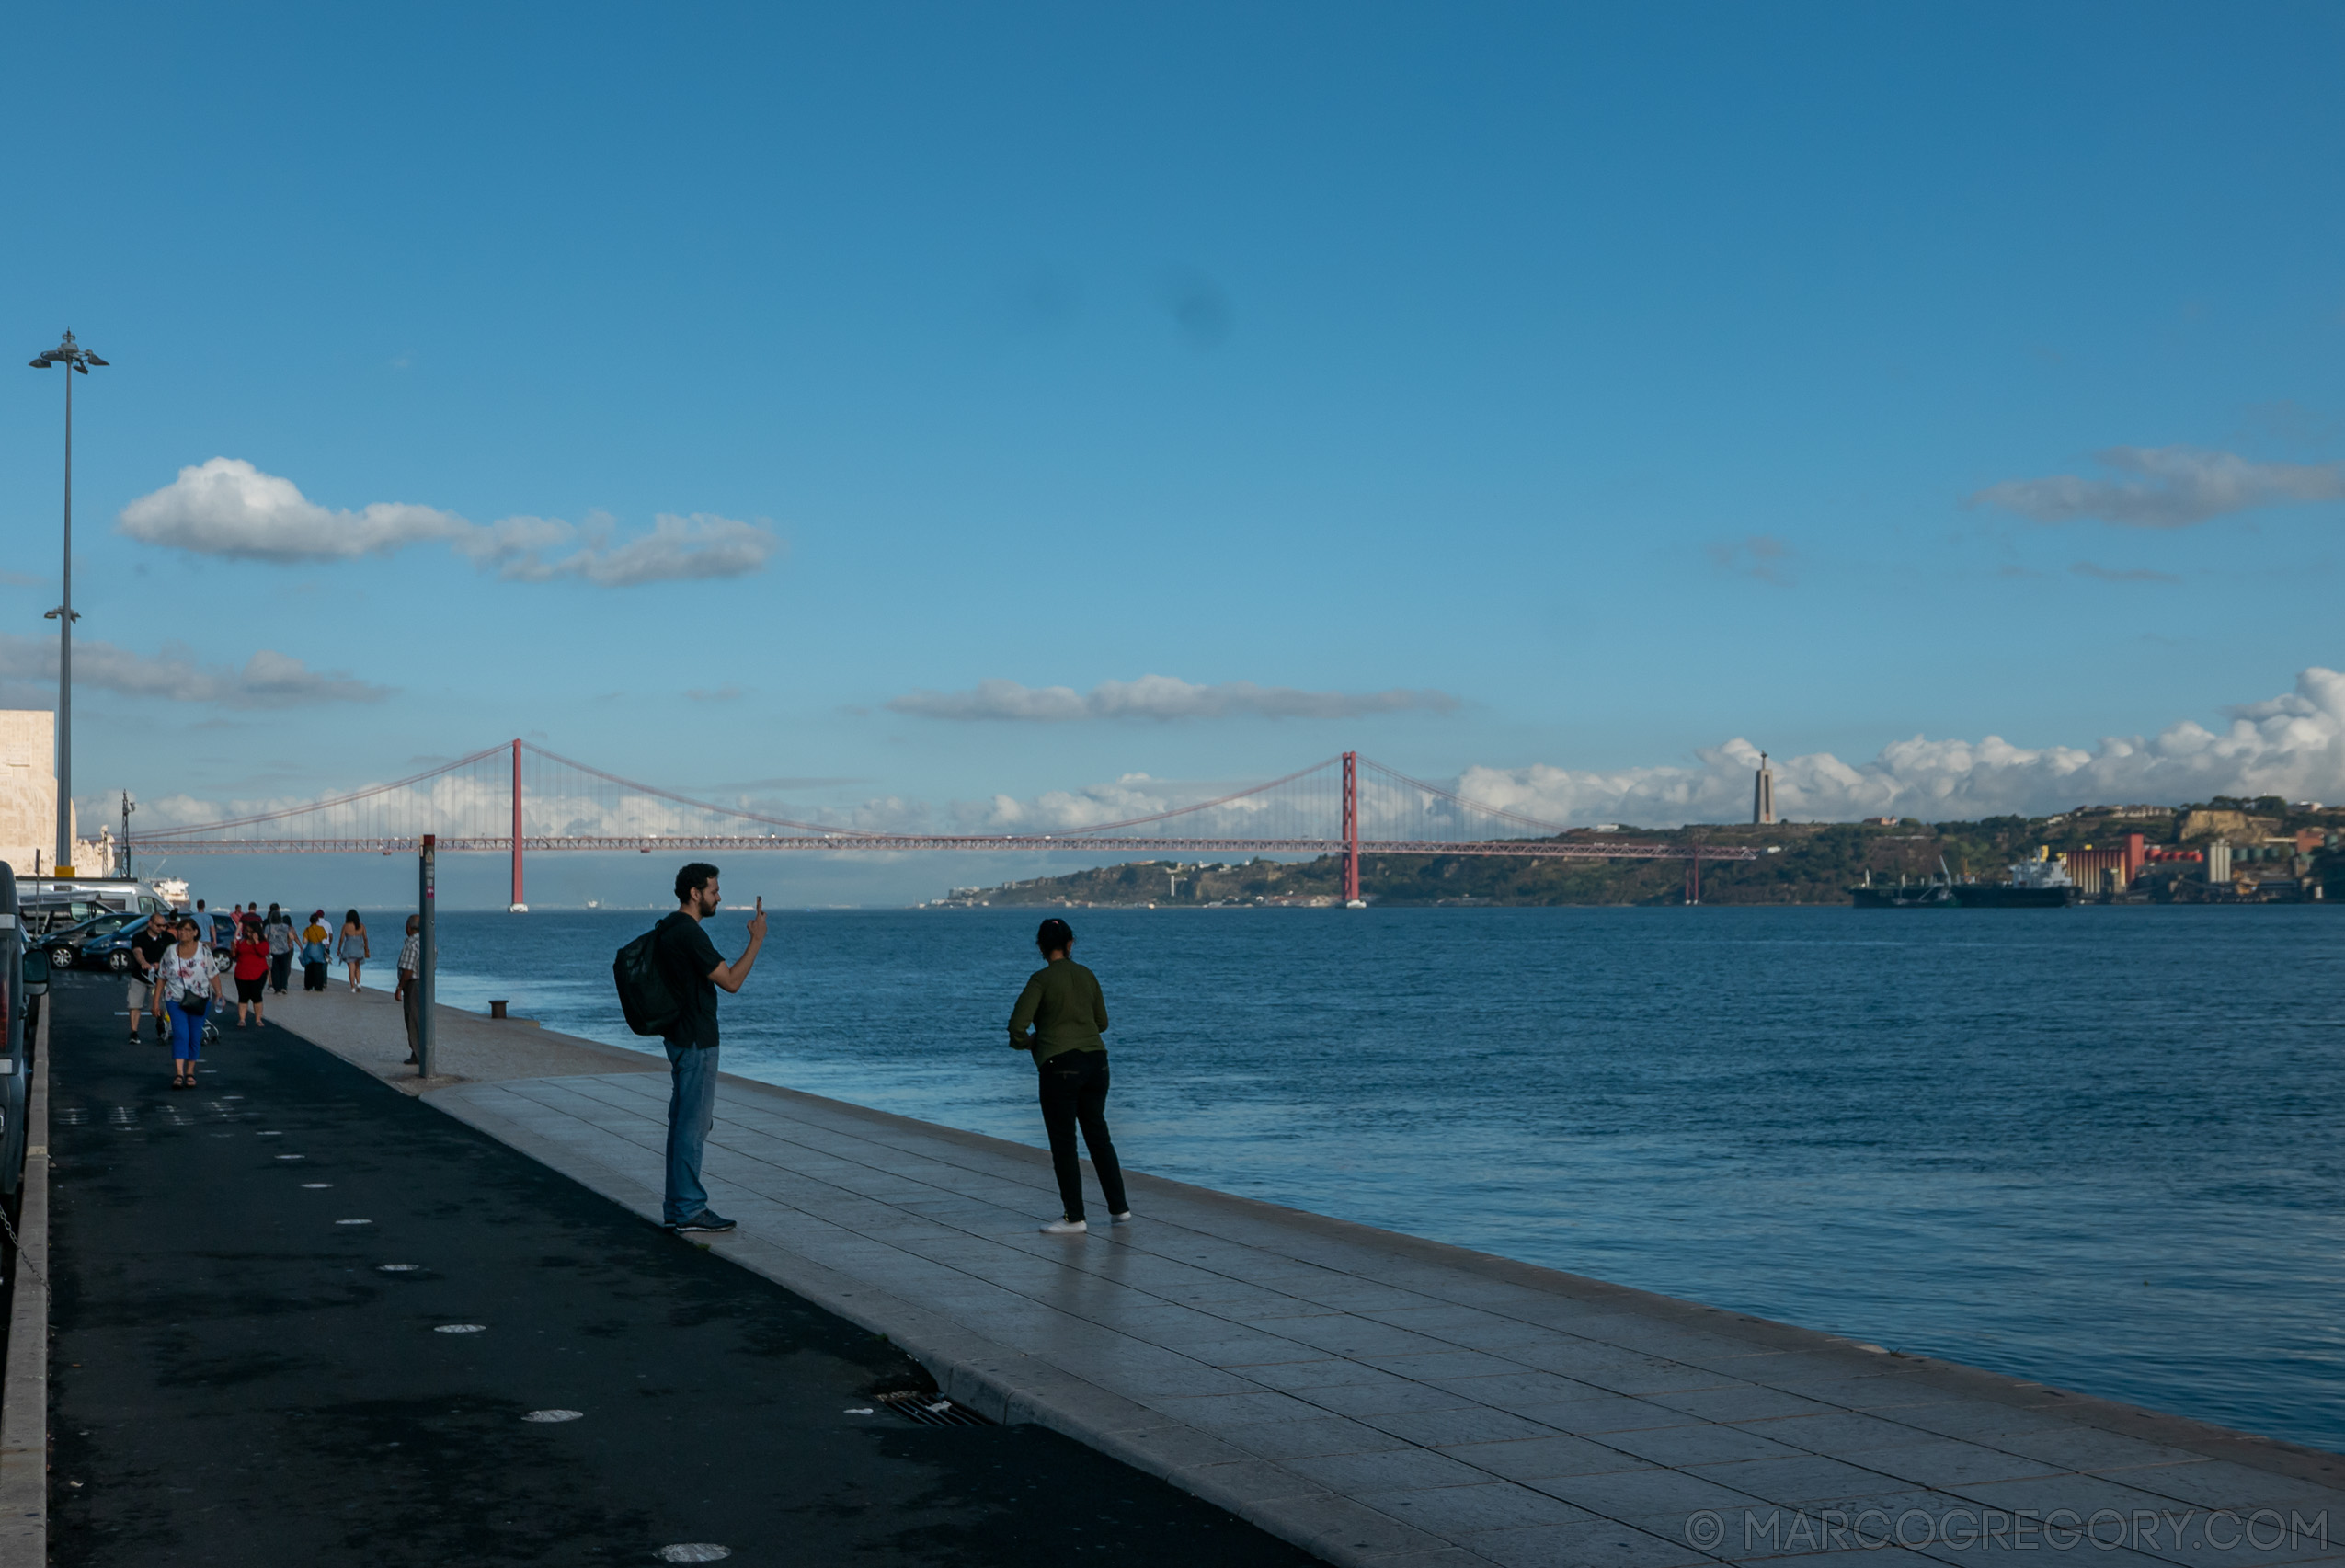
{"points": [[694, 971]]}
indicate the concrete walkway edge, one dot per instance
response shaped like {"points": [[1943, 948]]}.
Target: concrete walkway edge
{"points": [[1010, 1385], [1379, 1400], [1000, 1383], [24, 1389]]}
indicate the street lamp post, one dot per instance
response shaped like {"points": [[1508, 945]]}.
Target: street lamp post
{"points": [[76, 361]]}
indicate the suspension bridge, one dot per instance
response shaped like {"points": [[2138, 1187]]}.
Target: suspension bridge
{"points": [[518, 798]]}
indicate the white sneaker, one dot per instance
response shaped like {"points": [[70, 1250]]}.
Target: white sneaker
{"points": [[1065, 1228], [1123, 1219]]}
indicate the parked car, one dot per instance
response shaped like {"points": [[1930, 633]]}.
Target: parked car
{"points": [[65, 948], [111, 950]]}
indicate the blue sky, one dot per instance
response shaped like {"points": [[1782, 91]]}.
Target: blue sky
{"points": [[1630, 380]]}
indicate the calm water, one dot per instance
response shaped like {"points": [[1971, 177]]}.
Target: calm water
{"points": [[2100, 1148]]}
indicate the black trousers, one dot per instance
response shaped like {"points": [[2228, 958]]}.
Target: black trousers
{"points": [[1074, 1093], [281, 969], [312, 976]]}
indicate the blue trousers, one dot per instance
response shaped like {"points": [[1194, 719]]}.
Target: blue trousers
{"points": [[691, 1109], [186, 1033]]}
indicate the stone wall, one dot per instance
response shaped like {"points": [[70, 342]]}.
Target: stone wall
{"points": [[29, 789]]}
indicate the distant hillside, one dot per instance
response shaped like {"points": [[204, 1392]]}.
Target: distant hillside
{"points": [[1800, 863]]}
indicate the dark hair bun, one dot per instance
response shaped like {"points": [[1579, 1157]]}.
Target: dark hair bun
{"points": [[1054, 934]]}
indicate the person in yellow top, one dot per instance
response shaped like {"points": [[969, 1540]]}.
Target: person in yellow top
{"points": [[1058, 1018], [315, 953]]}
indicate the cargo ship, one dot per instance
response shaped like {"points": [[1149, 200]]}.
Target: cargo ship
{"points": [[2039, 884], [1932, 893]]}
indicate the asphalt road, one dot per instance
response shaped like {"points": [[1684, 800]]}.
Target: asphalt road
{"points": [[242, 1376]]}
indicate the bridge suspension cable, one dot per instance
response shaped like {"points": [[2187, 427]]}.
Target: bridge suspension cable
{"points": [[517, 796]]}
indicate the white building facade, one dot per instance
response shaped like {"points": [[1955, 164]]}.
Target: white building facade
{"points": [[28, 797]]}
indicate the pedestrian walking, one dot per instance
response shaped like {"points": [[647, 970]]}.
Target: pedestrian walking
{"points": [[250, 957], [315, 953], [409, 992], [1060, 1017], [693, 969], [353, 948], [188, 983], [279, 929], [217, 929], [155, 938]]}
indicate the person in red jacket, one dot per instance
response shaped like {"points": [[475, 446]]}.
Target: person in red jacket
{"points": [[251, 953]]}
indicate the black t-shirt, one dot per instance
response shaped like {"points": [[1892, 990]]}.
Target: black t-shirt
{"points": [[153, 939], [687, 958]]}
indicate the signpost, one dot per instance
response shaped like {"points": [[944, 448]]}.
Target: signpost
{"points": [[428, 942]]}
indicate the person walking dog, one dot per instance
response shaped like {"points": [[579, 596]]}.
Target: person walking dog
{"points": [[1060, 1017], [187, 984], [694, 971], [157, 937]]}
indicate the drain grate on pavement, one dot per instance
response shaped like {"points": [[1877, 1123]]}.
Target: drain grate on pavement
{"points": [[930, 1409]]}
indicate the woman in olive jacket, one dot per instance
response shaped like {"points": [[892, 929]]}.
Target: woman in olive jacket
{"points": [[1058, 1017]]}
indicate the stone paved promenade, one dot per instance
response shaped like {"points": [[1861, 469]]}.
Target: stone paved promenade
{"points": [[1378, 1399], [301, 1320]]}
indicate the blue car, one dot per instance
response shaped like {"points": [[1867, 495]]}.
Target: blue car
{"points": [[105, 948], [100, 943]]}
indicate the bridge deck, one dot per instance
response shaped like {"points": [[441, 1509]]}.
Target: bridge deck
{"points": [[1380, 1399]]}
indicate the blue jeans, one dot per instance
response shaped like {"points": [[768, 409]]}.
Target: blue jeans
{"points": [[691, 1107], [186, 1033]]}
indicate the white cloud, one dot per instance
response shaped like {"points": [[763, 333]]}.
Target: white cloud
{"points": [[267, 679], [1161, 697], [228, 508], [2176, 486], [2291, 746], [677, 549]]}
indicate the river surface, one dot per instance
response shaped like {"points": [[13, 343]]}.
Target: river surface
{"points": [[2101, 1148]]}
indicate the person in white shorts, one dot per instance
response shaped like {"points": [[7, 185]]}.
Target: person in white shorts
{"points": [[153, 939]]}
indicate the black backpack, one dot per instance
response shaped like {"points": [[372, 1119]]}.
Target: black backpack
{"points": [[644, 996]]}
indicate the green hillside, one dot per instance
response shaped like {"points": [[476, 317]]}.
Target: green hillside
{"points": [[1801, 863]]}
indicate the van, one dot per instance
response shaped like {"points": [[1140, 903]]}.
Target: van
{"points": [[49, 904]]}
